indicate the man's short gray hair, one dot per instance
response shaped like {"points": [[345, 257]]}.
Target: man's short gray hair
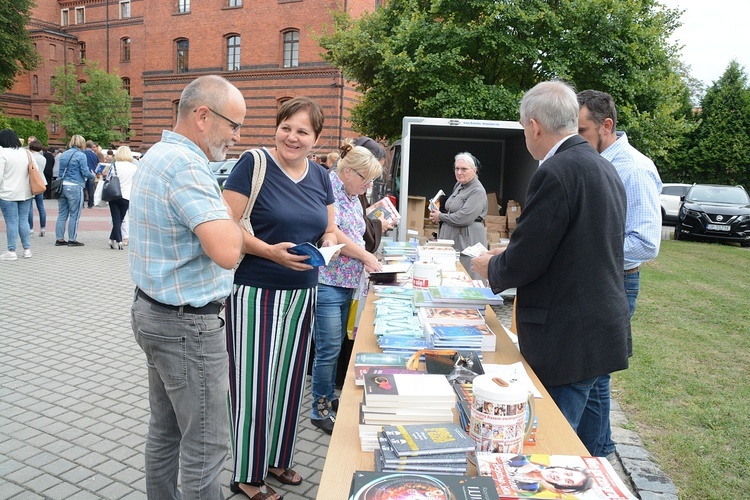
{"points": [[554, 105], [208, 90]]}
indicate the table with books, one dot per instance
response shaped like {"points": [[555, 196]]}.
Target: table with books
{"points": [[553, 434]]}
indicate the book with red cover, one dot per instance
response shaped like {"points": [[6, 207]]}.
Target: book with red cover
{"points": [[552, 476]]}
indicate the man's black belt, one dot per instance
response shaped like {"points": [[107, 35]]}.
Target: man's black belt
{"points": [[479, 219], [210, 308]]}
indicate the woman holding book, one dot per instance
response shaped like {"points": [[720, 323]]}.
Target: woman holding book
{"points": [[465, 209], [353, 174], [271, 311]]}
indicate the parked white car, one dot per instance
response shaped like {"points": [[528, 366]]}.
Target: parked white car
{"points": [[670, 201]]}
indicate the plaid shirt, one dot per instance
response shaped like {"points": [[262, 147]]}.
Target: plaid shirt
{"points": [[642, 186], [174, 191]]}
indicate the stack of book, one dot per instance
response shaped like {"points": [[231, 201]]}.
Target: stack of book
{"points": [[444, 256], [423, 448], [366, 361], [456, 328], [398, 250], [463, 296]]}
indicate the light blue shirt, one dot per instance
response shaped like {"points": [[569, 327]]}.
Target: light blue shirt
{"points": [[642, 186], [173, 192]]}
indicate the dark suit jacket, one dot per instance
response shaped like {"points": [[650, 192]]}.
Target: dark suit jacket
{"points": [[565, 257]]}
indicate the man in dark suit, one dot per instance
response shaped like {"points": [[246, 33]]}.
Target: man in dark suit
{"points": [[565, 258]]}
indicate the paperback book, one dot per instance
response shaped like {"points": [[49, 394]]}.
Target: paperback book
{"points": [[364, 360], [318, 256], [428, 439], [391, 458], [465, 295], [450, 316], [408, 390], [384, 210], [552, 476], [450, 336], [454, 469], [369, 485]]}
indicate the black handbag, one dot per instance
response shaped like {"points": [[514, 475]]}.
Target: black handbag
{"points": [[57, 185], [111, 190]]}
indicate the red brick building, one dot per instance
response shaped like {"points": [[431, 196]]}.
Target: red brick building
{"points": [[264, 47]]}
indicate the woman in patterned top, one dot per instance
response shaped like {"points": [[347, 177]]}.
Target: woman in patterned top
{"points": [[351, 177]]}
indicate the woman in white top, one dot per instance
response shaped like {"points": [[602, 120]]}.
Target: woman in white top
{"points": [[15, 193], [124, 168]]}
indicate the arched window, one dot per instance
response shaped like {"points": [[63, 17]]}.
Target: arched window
{"points": [[183, 53], [125, 49], [233, 52], [291, 49]]}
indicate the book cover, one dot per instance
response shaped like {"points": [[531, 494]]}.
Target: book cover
{"points": [[369, 485], [441, 468], [364, 360], [479, 336], [428, 439], [408, 389], [435, 200], [384, 210], [402, 344], [552, 476], [450, 316], [318, 256], [468, 295]]}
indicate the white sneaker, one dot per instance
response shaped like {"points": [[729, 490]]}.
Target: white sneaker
{"points": [[27, 253], [41, 233], [31, 232], [8, 256]]}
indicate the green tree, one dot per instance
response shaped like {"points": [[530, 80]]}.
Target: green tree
{"points": [[99, 110], [475, 58], [722, 140], [17, 53]]}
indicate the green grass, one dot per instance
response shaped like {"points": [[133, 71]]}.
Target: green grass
{"points": [[687, 391]]}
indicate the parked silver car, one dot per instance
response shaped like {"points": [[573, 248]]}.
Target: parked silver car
{"points": [[670, 201]]}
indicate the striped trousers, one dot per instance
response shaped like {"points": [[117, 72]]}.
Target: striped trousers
{"points": [[268, 337]]}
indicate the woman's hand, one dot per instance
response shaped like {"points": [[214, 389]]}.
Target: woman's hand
{"points": [[279, 253], [372, 265], [435, 216]]}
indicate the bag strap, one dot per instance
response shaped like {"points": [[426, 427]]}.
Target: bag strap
{"points": [[256, 182]]}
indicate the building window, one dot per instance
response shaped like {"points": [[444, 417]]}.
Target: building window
{"points": [[81, 51], [235, 3], [35, 84], [291, 49], [183, 52], [52, 52], [51, 84], [125, 49], [126, 85], [183, 6], [36, 118], [124, 9], [65, 17], [53, 127], [80, 15], [233, 53], [79, 83]]}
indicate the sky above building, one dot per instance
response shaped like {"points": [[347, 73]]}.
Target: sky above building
{"points": [[712, 34]]}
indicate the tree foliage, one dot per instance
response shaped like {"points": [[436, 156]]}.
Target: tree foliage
{"points": [[721, 152], [17, 53], [475, 58], [98, 108], [25, 127]]}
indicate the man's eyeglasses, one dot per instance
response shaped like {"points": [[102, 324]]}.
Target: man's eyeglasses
{"points": [[235, 126]]}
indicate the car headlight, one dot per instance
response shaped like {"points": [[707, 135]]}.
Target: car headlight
{"points": [[692, 213]]}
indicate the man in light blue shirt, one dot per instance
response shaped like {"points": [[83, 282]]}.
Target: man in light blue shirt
{"points": [[597, 123], [183, 247]]}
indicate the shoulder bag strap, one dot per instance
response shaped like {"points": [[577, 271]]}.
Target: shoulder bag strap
{"points": [[256, 182]]}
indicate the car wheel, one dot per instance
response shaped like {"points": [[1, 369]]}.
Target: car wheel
{"points": [[663, 216], [745, 244], [677, 230]]}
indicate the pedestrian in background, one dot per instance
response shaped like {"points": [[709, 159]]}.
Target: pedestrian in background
{"points": [[15, 193], [49, 156], [181, 256], [565, 259], [93, 162], [125, 169], [41, 162], [74, 170], [597, 123]]}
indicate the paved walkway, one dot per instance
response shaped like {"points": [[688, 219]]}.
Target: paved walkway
{"points": [[73, 390]]}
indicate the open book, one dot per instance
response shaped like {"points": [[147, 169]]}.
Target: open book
{"points": [[435, 200], [318, 256]]}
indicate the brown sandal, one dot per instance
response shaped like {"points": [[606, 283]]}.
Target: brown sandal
{"points": [[265, 493], [286, 477]]}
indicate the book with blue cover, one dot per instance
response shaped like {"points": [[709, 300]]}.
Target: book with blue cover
{"points": [[464, 295], [428, 439], [391, 458], [318, 256]]}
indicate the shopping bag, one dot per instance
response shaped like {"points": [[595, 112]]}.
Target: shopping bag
{"points": [[98, 194], [359, 298]]}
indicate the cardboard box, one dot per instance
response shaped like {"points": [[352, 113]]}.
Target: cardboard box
{"points": [[512, 212], [496, 223], [493, 236], [492, 205], [415, 213]]}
